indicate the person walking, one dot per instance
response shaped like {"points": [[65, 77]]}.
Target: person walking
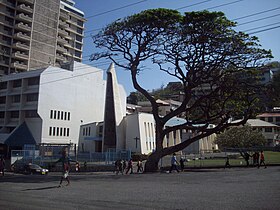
{"points": [[65, 161], [247, 158], [78, 167], [174, 163], [85, 165], [129, 167], [227, 162], [2, 165], [262, 160], [139, 166], [123, 166], [118, 166], [182, 165]]}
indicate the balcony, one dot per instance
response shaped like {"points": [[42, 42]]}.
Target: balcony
{"points": [[62, 32], [71, 22], [24, 17], [19, 65], [64, 16], [22, 36], [61, 40], [20, 55], [61, 49], [63, 24], [24, 8], [67, 53], [22, 26], [60, 57], [73, 31], [20, 45], [68, 45], [68, 37]]}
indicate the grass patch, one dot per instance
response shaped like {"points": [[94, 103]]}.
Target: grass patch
{"points": [[270, 158]]}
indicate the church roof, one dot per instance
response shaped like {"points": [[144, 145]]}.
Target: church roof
{"points": [[20, 136]]}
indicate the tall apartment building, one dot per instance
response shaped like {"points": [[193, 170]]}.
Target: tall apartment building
{"points": [[37, 33]]}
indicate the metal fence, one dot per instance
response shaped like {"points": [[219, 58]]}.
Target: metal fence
{"points": [[49, 156], [108, 157]]}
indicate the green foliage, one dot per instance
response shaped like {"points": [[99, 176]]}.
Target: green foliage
{"points": [[240, 137], [200, 50]]}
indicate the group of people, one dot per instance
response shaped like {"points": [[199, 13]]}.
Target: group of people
{"points": [[122, 166], [258, 159], [174, 163]]}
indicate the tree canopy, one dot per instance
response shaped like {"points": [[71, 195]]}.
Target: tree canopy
{"points": [[240, 137], [274, 90], [213, 62]]}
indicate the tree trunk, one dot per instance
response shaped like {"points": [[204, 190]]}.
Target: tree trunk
{"points": [[152, 162]]}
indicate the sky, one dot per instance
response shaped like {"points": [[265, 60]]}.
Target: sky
{"points": [[259, 17]]}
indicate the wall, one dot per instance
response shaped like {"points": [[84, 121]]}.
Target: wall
{"points": [[79, 92]]}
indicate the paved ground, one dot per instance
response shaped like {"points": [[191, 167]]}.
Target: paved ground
{"points": [[236, 188]]}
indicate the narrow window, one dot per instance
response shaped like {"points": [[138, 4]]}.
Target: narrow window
{"points": [[51, 115], [50, 131], [89, 131], [65, 115], [53, 131], [61, 131], [68, 131], [57, 131], [62, 115], [64, 132], [58, 115], [54, 114], [68, 115]]}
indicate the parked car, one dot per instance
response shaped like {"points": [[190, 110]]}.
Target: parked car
{"points": [[20, 167], [35, 169]]}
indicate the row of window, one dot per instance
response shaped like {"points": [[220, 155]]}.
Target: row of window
{"points": [[59, 131], [16, 98], [86, 131], [270, 119], [15, 114], [149, 134], [18, 83], [59, 115]]}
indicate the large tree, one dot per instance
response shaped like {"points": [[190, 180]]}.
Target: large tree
{"points": [[199, 49]]}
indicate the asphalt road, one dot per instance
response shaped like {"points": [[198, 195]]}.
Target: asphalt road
{"points": [[236, 188]]}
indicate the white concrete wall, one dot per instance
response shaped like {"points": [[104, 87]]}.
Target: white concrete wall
{"points": [[140, 125], [80, 92], [132, 131]]}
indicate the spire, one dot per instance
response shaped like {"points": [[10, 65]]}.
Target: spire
{"points": [[113, 110]]}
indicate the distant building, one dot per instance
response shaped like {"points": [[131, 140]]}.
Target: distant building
{"points": [[140, 137], [204, 145], [272, 117], [37, 33], [165, 106]]}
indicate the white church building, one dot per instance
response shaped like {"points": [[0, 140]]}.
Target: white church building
{"points": [[76, 107], [48, 106]]}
